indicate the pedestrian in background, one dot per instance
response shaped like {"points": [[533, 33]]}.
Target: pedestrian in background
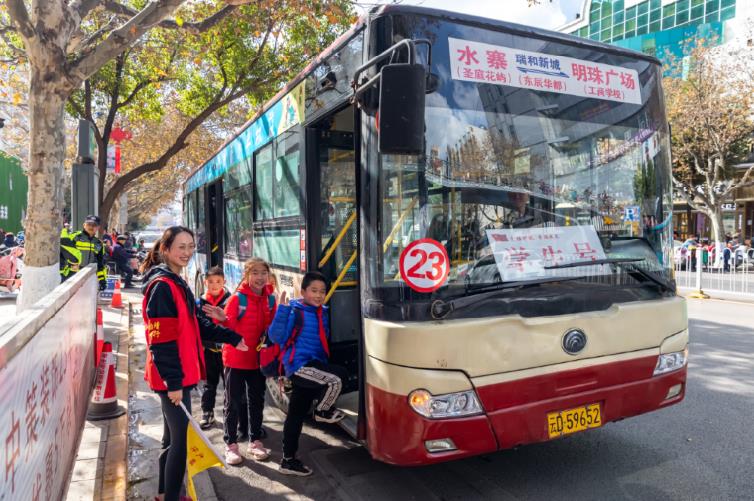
{"points": [[175, 328], [90, 250], [10, 240], [249, 310], [122, 258]]}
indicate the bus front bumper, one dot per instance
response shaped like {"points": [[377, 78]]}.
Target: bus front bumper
{"points": [[515, 414]]}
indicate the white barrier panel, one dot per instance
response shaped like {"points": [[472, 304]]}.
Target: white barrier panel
{"points": [[732, 274], [46, 374]]}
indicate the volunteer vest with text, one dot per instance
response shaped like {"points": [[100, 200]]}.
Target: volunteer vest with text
{"points": [[189, 341]]}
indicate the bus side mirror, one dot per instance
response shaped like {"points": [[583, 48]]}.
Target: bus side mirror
{"points": [[401, 114]]}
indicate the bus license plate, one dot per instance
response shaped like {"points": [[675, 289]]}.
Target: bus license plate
{"points": [[573, 420]]}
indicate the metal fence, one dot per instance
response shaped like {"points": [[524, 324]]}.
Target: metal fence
{"points": [[732, 272]]}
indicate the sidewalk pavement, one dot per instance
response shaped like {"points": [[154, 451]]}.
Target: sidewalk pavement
{"points": [[99, 472]]}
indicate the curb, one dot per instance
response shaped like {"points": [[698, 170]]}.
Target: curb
{"points": [[740, 297]]}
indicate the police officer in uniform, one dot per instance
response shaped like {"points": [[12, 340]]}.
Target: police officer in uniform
{"points": [[82, 248]]}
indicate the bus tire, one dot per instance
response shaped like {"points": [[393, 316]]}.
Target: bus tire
{"points": [[276, 396]]}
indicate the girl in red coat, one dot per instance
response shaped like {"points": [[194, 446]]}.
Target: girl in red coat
{"points": [[175, 329], [249, 312]]}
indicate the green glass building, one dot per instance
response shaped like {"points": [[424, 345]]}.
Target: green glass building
{"points": [[655, 27], [13, 188]]}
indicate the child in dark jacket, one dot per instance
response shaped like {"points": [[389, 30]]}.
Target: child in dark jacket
{"points": [[249, 312], [302, 329], [216, 296]]}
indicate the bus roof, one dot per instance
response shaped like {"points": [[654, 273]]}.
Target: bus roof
{"points": [[383, 10]]}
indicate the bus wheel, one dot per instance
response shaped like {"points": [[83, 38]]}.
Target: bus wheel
{"points": [[276, 392]]}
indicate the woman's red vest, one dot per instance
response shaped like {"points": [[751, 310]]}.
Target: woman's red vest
{"points": [[184, 330]]}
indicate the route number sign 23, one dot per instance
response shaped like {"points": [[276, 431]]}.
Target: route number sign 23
{"points": [[424, 265]]}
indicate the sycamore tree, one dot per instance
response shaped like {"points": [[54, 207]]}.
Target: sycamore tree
{"points": [[65, 42], [710, 109]]}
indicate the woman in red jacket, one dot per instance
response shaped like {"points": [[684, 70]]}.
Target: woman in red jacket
{"points": [[175, 329], [250, 311]]}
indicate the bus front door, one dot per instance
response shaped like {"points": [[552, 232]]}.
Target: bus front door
{"points": [[332, 241]]}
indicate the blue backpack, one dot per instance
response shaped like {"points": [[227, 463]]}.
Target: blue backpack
{"points": [[243, 303], [271, 354]]}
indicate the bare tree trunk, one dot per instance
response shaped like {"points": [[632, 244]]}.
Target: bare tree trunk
{"points": [[718, 233], [45, 200]]}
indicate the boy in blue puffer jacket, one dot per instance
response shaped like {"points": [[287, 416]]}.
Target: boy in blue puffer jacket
{"points": [[302, 330]]}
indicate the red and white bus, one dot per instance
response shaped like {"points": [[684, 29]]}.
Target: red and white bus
{"points": [[492, 204]]}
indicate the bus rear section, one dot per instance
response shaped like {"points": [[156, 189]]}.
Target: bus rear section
{"points": [[466, 387]]}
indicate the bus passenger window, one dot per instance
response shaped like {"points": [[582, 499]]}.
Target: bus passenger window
{"points": [[286, 182], [263, 184]]}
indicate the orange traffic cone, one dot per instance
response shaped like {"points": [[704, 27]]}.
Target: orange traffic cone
{"points": [[117, 301], [104, 404], [100, 338]]}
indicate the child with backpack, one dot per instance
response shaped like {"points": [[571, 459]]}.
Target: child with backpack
{"points": [[216, 297], [302, 330], [249, 312]]}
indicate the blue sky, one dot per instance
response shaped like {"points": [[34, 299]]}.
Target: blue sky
{"points": [[545, 15]]}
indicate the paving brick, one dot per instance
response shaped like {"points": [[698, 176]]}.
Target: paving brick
{"points": [[85, 469], [81, 490]]}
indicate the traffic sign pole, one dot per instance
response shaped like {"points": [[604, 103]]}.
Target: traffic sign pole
{"points": [[84, 178]]}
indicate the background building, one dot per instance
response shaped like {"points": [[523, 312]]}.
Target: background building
{"points": [[659, 28], [13, 189]]}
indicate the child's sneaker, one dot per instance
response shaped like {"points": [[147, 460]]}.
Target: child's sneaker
{"points": [[257, 451], [328, 416], [293, 466], [232, 456], [207, 420]]}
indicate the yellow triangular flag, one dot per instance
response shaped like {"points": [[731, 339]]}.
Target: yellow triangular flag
{"points": [[200, 455]]}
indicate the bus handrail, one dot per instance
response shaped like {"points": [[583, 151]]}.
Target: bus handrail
{"points": [[341, 275], [337, 240], [398, 223], [347, 266]]}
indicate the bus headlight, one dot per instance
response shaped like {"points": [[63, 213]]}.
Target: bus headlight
{"points": [[670, 362], [449, 405]]}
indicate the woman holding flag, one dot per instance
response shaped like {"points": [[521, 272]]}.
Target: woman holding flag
{"points": [[175, 328]]}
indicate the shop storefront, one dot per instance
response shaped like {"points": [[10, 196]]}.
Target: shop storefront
{"points": [[737, 221]]}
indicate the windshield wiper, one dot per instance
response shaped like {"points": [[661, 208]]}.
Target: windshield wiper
{"points": [[441, 308], [626, 263], [611, 260]]}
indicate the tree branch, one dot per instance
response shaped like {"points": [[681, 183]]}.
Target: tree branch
{"points": [[83, 7], [179, 144], [194, 28], [128, 33], [20, 17]]}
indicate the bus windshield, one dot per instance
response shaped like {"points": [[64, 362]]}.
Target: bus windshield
{"points": [[522, 175]]}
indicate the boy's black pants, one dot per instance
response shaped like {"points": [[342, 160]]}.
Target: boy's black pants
{"points": [[239, 382], [216, 372], [316, 380], [214, 365]]}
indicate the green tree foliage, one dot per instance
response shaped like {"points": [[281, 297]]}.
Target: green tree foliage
{"points": [[245, 60]]}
